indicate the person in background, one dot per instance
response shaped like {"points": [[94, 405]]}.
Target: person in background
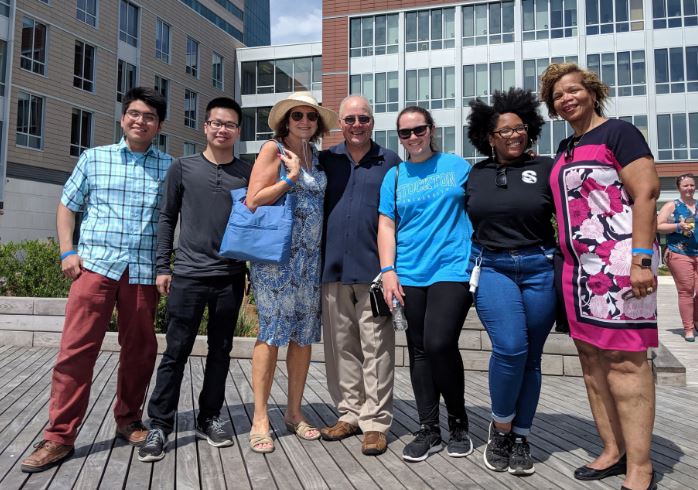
{"points": [[605, 188], [424, 245], [288, 295], [677, 220], [359, 349], [118, 187], [197, 195], [509, 202]]}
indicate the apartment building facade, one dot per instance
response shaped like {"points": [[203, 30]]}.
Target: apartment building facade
{"points": [[65, 67], [440, 55]]}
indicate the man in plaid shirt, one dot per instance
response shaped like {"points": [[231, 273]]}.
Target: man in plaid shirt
{"points": [[118, 187]]}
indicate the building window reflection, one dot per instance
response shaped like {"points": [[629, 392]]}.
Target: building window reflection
{"points": [[373, 35], [604, 17], [548, 19], [674, 13], [485, 23], [280, 76], [623, 72], [677, 136]]}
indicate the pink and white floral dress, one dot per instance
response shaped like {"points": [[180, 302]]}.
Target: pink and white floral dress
{"points": [[594, 215]]}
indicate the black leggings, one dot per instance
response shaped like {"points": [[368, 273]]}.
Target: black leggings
{"points": [[435, 316]]}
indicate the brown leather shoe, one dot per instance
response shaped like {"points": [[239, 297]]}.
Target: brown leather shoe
{"points": [[134, 433], [340, 430], [375, 443], [46, 455]]}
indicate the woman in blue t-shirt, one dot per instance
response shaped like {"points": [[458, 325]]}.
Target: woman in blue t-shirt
{"points": [[424, 259]]}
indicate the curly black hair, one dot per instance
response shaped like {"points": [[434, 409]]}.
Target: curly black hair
{"points": [[483, 118]]}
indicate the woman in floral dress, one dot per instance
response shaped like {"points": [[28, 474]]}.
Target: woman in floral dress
{"points": [[605, 189], [288, 295]]}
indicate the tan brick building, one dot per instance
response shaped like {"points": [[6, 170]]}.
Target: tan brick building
{"points": [[67, 63]]}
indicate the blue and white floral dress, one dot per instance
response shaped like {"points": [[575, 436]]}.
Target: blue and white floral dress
{"points": [[288, 295]]}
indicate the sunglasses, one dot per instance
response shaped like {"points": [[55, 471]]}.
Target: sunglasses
{"points": [[405, 133], [298, 116], [500, 179], [350, 120]]}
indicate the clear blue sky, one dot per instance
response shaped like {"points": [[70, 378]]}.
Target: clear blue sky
{"points": [[295, 21]]}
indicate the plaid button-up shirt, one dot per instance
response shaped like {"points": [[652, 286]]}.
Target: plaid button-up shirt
{"points": [[119, 192]]}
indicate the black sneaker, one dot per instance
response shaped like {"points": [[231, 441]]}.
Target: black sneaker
{"points": [[459, 442], [498, 449], [154, 447], [520, 461], [212, 430], [427, 440]]}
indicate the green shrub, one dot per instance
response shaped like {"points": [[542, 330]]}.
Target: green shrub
{"points": [[32, 268]]}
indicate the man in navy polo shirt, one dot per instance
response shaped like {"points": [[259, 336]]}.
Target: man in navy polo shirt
{"points": [[359, 349]]}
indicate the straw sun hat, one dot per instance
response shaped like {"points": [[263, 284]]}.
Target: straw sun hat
{"points": [[296, 99]]}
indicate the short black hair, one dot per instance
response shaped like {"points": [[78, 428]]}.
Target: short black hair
{"points": [[147, 95], [483, 118], [224, 103]]}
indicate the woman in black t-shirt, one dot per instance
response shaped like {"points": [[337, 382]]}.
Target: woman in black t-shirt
{"points": [[510, 205]]}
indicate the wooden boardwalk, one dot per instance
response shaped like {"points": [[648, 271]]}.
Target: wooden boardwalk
{"points": [[563, 438]]}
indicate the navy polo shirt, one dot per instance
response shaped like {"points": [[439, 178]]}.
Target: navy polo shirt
{"points": [[350, 243]]}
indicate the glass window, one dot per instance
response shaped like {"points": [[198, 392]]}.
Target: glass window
{"points": [[162, 86], [692, 68], [669, 72], [248, 77], [84, 66], [161, 142], [677, 136], [188, 149], [605, 16], [483, 23], [624, 72], [355, 37], [302, 73], [255, 126], [374, 35], [367, 36], [693, 134], [4, 11], [80, 132], [284, 76], [367, 86], [674, 13], [3, 63], [429, 88], [128, 23], [217, 71], [551, 134], [162, 40], [192, 62], [86, 11], [387, 139], [265, 77], [248, 124], [430, 29], [317, 72], [30, 120], [482, 79], [33, 49], [469, 151], [264, 132], [190, 102], [544, 19], [446, 139], [126, 79]]}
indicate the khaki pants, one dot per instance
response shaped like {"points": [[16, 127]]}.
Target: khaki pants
{"points": [[359, 357]]}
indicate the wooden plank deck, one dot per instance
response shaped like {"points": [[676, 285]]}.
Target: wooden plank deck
{"points": [[563, 438]]}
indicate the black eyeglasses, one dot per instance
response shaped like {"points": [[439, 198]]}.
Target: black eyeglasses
{"points": [[509, 132], [351, 120], [571, 145], [298, 116], [405, 133], [500, 179], [230, 126]]}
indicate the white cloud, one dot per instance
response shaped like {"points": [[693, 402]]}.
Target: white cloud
{"points": [[297, 27]]}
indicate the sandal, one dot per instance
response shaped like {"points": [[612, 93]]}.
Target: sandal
{"points": [[260, 439], [301, 429]]}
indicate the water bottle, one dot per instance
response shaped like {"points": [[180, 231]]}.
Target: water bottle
{"points": [[399, 320]]}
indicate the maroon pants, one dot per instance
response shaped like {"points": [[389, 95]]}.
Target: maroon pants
{"points": [[90, 305]]}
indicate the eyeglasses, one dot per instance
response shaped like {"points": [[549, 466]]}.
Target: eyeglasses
{"points": [[298, 116], [509, 132], [351, 120], [500, 179], [571, 145], [405, 133], [230, 126], [148, 117]]}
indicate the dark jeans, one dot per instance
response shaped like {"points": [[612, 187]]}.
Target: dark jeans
{"points": [[185, 305], [516, 304], [435, 316]]}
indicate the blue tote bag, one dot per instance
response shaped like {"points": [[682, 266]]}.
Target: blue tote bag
{"points": [[263, 235]]}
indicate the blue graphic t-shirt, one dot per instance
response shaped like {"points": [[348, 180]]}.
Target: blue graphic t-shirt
{"points": [[433, 231]]}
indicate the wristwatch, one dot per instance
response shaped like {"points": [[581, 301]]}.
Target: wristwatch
{"points": [[645, 263]]}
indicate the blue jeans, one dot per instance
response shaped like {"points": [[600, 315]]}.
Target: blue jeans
{"points": [[515, 301]]}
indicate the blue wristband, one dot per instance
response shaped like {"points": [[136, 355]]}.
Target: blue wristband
{"points": [[387, 268], [678, 227], [643, 251], [67, 254], [288, 181]]}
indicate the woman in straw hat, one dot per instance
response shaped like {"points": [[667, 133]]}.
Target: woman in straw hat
{"points": [[288, 295]]}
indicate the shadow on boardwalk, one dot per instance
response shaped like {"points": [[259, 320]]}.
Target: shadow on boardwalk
{"points": [[563, 437]]}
